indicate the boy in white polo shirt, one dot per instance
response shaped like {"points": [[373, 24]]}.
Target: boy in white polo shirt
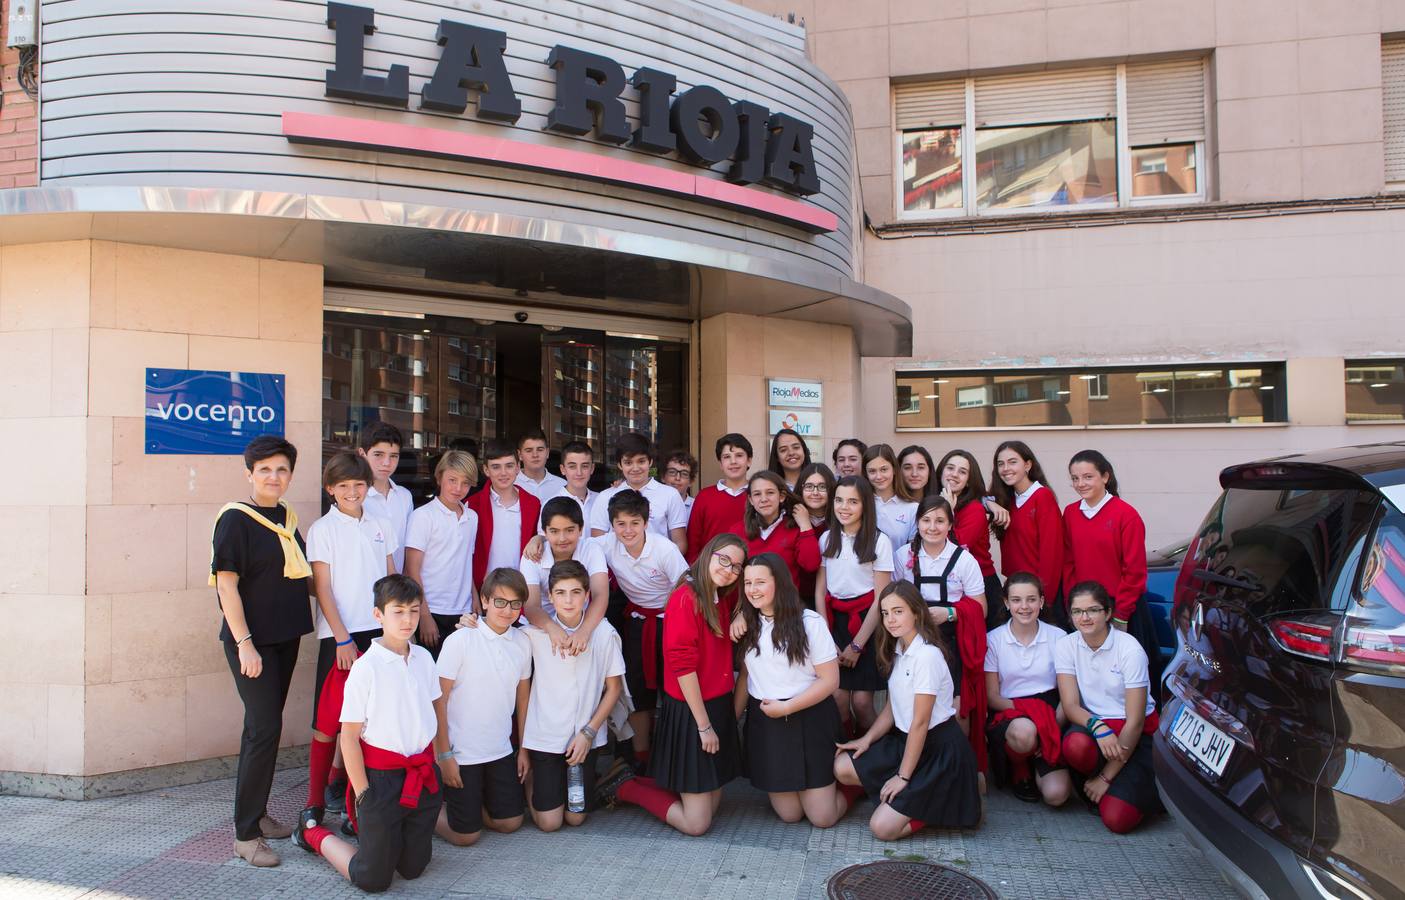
{"points": [[578, 465], [532, 454], [387, 736], [563, 524], [646, 568], [485, 675], [349, 549], [571, 698], [667, 516], [380, 444], [439, 548]]}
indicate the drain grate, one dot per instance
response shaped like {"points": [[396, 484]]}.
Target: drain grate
{"points": [[894, 880]]}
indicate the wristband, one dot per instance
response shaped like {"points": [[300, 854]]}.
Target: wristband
{"points": [[901, 775], [705, 730], [247, 637], [588, 732], [447, 754], [855, 647], [345, 642], [1117, 621]]}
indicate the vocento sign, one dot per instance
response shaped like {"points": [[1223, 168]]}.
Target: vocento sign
{"points": [[194, 411]]}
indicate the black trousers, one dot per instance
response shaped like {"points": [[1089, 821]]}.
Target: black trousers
{"points": [[263, 699], [392, 838]]}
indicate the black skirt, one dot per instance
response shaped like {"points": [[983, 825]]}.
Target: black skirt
{"points": [[864, 676], [995, 741], [1135, 784], [677, 761], [943, 790], [793, 753]]}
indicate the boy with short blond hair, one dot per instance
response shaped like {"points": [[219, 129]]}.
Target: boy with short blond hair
{"points": [[439, 547]]}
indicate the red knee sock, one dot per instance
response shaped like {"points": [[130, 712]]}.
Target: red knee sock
{"points": [[915, 825], [851, 792], [641, 757], [1119, 816], [644, 792], [1080, 751], [315, 836], [319, 765], [336, 775], [1019, 765]]}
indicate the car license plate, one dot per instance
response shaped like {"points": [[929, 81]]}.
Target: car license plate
{"points": [[1201, 741]]}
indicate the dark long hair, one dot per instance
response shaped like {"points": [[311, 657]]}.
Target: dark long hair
{"points": [[824, 472], [751, 519], [887, 644], [929, 503], [974, 482], [774, 463], [931, 485], [787, 614], [698, 577], [1002, 492], [885, 453], [1100, 463], [866, 541]]}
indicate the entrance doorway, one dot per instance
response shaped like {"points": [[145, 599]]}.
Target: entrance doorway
{"points": [[452, 382]]}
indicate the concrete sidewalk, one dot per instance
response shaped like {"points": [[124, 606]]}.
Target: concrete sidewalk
{"points": [[176, 843]]}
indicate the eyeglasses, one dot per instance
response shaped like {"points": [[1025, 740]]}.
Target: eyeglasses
{"points": [[813, 488], [678, 473], [504, 603], [1085, 613], [725, 562]]}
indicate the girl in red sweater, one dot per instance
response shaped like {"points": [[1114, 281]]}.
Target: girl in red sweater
{"points": [[961, 484], [1034, 540], [1105, 541], [918, 471], [774, 522], [696, 747]]}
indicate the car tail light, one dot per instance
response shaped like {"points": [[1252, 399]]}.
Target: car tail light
{"points": [[1311, 638], [1374, 649]]}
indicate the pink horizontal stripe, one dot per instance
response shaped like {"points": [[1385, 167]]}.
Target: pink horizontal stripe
{"points": [[354, 132]]}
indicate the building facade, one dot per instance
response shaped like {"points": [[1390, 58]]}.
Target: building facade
{"points": [[1168, 231]]}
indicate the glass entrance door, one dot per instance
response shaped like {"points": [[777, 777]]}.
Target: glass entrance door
{"points": [[452, 383]]}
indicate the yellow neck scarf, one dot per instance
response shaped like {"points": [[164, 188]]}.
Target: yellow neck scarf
{"points": [[294, 562]]}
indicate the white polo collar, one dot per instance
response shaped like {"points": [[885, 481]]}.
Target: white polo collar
{"points": [[1091, 511]]}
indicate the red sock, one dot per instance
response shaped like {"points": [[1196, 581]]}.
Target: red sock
{"points": [[315, 836], [1019, 765], [645, 793], [336, 775], [851, 792], [319, 765], [915, 825], [1080, 751], [1119, 816], [641, 757]]}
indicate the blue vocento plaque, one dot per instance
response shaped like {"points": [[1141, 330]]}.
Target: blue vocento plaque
{"points": [[191, 411]]}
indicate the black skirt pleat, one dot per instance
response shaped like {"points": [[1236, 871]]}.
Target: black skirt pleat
{"points": [[677, 761], [793, 753], [943, 790]]}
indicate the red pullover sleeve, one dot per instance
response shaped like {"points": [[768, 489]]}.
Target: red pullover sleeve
{"points": [[973, 533], [1069, 512], [682, 633], [807, 550], [1049, 526], [698, 525], [1131, 540]]}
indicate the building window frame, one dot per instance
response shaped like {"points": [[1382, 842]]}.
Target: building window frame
{"points": [[1372, 374]]}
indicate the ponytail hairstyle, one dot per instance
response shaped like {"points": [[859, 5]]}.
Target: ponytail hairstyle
{"points": [[932, 486], [1002, 492], [751, 519], [1100, 463], [787, 614], [866, 540], [929, 503], [887, 644], [974, 482], [699, 578], [774, 462], [1028, 578], [885, 453]]}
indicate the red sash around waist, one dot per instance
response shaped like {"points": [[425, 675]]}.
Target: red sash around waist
{"points": [[855, 607], [1153, 721], [419, 770], [649, 641]]}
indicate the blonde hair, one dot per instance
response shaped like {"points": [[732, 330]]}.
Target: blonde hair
{"points": [[460, 461]]}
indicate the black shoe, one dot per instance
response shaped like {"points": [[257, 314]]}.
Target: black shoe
{"points": [[334, 797], [299, 835], [311, 816], [1026, 790], [609, 784], [347, 828]]}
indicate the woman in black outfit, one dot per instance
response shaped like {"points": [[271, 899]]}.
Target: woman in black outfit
{"points": [[261, 576]]}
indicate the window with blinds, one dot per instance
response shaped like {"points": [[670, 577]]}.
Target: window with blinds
{"points": [[1049, 140], [1393, 101]]}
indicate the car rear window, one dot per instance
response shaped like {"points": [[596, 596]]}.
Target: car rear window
{"points": [[1277, 549]]}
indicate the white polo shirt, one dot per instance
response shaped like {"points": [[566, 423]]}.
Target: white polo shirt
{"points": [[355, 549], [1104, 674], [1090, 511], [1024, 669], [770, 675], [396, 510], [844, 576], [897, 518], [920, 670], [506, 547], [393, 697], [666, 509], [1022, 499], [486, 668], [965, 578], [649, 580], [587, 507], [446, 540], [566, 692], [586, 553], [543, 490]]}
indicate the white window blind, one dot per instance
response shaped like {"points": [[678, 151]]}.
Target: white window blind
{"points": [[930, 104], [1058, 95], [1393, 99], [1166, 101]]}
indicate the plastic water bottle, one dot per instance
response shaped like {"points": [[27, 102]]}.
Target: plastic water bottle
{"points": [[575, 789]]}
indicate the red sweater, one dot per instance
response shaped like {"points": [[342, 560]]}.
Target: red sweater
{"points": [[972, 531], [1109, 548], [1034, 541], [714, 512], [482, 504], [799, 549], [690, 646], [806, 581]]}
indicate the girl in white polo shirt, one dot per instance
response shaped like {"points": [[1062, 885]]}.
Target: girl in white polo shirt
{"points": [[895, 508], [856, 562], [1021, 690], [439, 549], [789, 675], [1105, 694], [914, 761]]}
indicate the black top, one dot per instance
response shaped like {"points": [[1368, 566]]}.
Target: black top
{"points": [[276, 608]]}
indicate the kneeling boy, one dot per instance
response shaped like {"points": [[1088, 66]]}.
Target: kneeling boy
{"points": [[387, 734], [571, 698], [485, 675]]}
